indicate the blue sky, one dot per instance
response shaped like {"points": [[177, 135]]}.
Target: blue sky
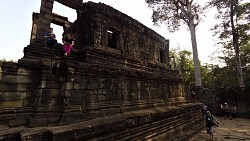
{"points": [[16, 22]]}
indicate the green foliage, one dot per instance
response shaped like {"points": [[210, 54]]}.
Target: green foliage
{"points": [[234, 33], [184, 64], [174, 13], [213, 76], [1, 62]]}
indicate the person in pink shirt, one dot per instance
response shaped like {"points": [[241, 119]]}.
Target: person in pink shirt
{"points": [[68, 43]]}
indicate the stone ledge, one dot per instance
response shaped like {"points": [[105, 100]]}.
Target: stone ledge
{"points": [[116, 123]]}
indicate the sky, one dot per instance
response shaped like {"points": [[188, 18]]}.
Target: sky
{"points": [[16, 23]]}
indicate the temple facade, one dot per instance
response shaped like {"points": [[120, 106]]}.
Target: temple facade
{"points": [[116, 82]]}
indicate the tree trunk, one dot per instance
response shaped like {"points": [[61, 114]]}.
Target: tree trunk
{"points": [[236, 46], [195, 55]]}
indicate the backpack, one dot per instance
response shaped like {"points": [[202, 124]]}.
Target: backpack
{"points": [[210, 121]]}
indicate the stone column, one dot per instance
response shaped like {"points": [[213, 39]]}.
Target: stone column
{"points": [[44, 19], [35, 18]]}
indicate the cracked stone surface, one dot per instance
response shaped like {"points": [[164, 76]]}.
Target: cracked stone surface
{"points": [[229, 130]]}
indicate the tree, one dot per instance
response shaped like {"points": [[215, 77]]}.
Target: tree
{"points": [[174, 13], [184, 64], [234, 27]]}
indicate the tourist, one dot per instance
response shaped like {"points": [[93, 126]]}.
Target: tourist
{"points": [[222, 110], [233, 112], [68, 43], [226, 110], [211, 121], [204, 109], [50, 39], [193, 96]]}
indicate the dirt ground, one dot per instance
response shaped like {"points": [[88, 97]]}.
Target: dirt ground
{"points": [[229, 130]]}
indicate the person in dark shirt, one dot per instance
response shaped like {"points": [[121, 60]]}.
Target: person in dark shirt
{"points": [[226, 110], [210, 122], [68, 43], [50, 39]]}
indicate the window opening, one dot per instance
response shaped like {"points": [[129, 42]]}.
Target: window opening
{"points": [[112, 37], [162, 56]]}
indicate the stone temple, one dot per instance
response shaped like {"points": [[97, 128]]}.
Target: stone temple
{"points": [[116, 85]]}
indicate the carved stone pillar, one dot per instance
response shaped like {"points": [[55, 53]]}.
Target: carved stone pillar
{"points": [[44, 19], [35, 18]]}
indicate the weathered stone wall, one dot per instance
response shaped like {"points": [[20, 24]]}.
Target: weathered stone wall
{"points": [[132, 38], [233, 96]]}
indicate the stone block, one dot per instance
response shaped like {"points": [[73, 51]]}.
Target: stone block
{"points": [[13, 87], [101, 98], [78, 97], [53, 85], [110, 111], [18, 79], [13, 136], [71, 70], [91, 92], [42, 84], [101, 85], [6, 117], [46, 62], [70, 117], [12, 95], [102, 92], [25, 114], [93, 98], [23, 71], [12, 103], [93, 80], [46, 115], [30, 102], [49, 101], [3, 127], [93, 86], [17, 122], [55, 93], [34, 93], [68, 86], [46, 93], [80, 86], [67, 93], [81, 79]]}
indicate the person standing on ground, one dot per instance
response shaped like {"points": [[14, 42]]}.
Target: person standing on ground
{"points": [[226, 110], [233, 112], [222, 110], [211, 121]]}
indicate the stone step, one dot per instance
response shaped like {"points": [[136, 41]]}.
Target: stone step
{"points": [[149, 130]]}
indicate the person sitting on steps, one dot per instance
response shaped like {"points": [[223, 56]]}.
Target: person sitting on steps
{"points": [[68, 43], [50, 37]]}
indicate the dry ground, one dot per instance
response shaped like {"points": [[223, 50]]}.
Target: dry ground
{"points": [[229, 130]]}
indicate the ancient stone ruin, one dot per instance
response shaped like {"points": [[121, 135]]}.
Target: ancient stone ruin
{"points": [[116, 85]]}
